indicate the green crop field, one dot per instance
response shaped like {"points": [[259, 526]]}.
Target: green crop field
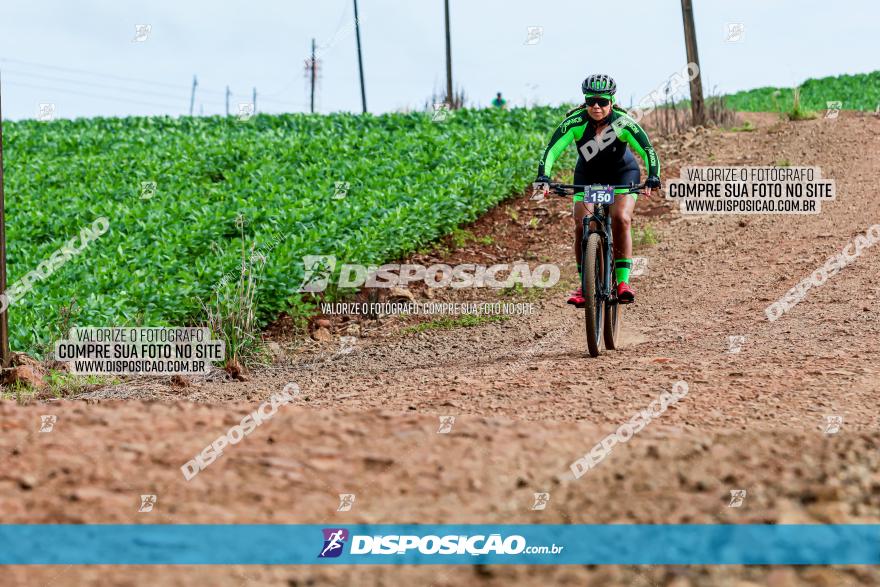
{"points": [[411, 180], [855, 92]]}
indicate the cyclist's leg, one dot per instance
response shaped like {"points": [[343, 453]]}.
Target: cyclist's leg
{"points": [[580, 210], [621, 224]]}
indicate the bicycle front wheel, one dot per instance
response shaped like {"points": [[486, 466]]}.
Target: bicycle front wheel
{"points": [[591, 281], [612, 321]]}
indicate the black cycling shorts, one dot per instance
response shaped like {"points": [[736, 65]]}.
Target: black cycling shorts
{"points": [[585, 175]]}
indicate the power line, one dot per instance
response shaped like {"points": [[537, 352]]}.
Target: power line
{"points": [[89, 95], [96, 85], [136, 80], [98, 74]]}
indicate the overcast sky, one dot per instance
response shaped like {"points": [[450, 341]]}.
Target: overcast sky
{"points": [[81, 57]]}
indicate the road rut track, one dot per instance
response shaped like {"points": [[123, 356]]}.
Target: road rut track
{"points": [[528, 402]]}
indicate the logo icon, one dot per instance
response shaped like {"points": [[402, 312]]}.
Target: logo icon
{"points": [[639, 266], [245, 110], [737, 497], [834, 107], [541, 500], [735, 343], [47, 423], [334, 541], [833, 424], [735, 32], [446, 423], [341, 189], [148, 189], [46, 111], [441, 111], [534, 35], [346, 501], [141, 32], [147, 503], [318, 270], [347, 344]]}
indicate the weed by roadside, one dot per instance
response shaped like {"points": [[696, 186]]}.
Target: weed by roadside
{"points": [[747, 126], [447, 323], [62, 384], [797, 111], [231, 314], [644, 236], [59, 384], [58, 329]]}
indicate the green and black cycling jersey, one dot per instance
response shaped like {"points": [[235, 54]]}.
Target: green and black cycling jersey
{"points": [[606, 159]]}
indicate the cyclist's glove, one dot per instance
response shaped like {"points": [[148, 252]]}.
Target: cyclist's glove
{"points": [[653, 182]]}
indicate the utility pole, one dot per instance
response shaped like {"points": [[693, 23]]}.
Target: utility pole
{"points": [[448, 57], [227, 100], [254, 100], [690, 42], [192, 96], [357, 32], [5, 355], [312, 72]]}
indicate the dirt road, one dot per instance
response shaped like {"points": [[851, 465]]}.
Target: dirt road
{"points": [[526, 400]]}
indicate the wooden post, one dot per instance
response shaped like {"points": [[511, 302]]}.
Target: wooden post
{"points": [[192, 96], [5, 354], [357, 31], [448, 57], [312, 66], [690, 42]]}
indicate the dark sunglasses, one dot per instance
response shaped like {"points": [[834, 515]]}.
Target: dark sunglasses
{"points": [[603, 102]]}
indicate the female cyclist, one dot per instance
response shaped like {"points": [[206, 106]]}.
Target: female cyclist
{"points": [[604, 134]]}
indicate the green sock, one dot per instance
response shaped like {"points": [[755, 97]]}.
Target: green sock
{"points": [[580, 272], [621, 269]]}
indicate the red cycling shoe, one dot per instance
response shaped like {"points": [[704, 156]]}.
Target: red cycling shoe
{"points": [[577, 298], [625, 294]]}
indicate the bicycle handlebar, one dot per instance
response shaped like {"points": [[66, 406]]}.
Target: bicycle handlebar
{"points": [[557, 187]]}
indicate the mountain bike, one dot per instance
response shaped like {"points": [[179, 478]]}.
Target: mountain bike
{"points": [[599, 286]]}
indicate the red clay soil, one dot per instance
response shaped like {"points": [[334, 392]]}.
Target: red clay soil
{"points": [[527, 400]]}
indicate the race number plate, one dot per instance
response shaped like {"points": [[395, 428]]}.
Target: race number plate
{"points": [[599, 194]]}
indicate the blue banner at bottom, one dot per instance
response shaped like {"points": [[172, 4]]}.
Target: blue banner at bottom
{"points": [[453, 544]]}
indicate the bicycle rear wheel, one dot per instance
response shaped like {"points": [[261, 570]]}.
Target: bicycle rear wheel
{"points": [[591, 282], [612, 321]]}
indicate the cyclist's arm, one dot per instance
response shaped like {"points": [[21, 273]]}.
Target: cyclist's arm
{"points": [[572, 128], [628, 130]]}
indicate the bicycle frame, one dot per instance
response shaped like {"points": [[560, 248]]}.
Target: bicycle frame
{"points": [[596, 254], [602, 218]]}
